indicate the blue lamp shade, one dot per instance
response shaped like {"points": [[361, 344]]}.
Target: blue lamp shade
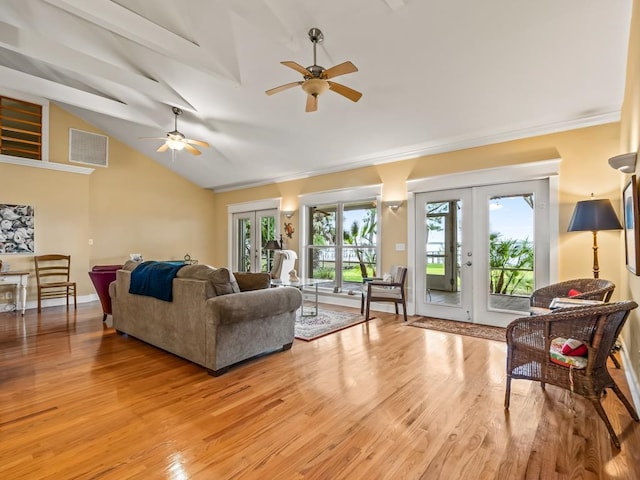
{"points": [[594, 215]]}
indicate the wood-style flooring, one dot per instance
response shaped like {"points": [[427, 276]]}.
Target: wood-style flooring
{"points": [[380, 400]]}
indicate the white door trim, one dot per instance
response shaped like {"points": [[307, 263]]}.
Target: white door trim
{"points": [[511, 173]]}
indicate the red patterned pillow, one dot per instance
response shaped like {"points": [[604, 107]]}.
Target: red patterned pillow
{"points": [[574, 347], [574, 293]]}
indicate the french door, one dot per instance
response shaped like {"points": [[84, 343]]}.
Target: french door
{"points": [[481, 250], [251, 232]]}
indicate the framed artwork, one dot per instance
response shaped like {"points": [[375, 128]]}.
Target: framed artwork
{"points": [[631, 232], [16, 229]]}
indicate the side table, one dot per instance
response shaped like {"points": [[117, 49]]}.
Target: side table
{"points": [[19, 279], [300, 284]]}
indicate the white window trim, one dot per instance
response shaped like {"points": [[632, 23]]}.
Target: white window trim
{"points": [[267, 204], [44, 162], [334, 196]]}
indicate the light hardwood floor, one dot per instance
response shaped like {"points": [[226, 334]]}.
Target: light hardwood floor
{"points": [[381, 400]]}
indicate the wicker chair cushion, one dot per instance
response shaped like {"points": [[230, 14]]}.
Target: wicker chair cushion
{"points": [[575, 348], [557, 357]]}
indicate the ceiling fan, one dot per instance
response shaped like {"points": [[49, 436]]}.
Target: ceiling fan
{"points": [[175, 140], [316, 78]]}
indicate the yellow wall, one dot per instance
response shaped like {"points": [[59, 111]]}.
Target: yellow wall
{"points": [[584, 170], [630, 140], [133, 206]]}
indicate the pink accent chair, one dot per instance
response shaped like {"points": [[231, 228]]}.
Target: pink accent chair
{"points": [[102, 276]]}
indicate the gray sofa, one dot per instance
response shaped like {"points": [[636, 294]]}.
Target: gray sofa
{"points": [[214, 320]]}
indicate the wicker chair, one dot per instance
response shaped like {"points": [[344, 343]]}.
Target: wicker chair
{"points": [[529, 340], [590, 288]]}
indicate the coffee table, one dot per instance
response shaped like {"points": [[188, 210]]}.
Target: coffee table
{"points": [[312, 311]]}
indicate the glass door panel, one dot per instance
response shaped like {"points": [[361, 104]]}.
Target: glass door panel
{"points": [[443, 283], [444, 236], [513, 239], [511, 251], [243, 242]]}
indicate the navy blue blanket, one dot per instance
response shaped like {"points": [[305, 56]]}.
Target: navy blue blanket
{"points": [[154, 279]]}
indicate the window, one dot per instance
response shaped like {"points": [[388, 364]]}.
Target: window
{"points": [[20, 128], [342, 243]]}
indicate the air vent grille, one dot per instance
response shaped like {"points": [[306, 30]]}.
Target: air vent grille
{"points": [[88, 148]]}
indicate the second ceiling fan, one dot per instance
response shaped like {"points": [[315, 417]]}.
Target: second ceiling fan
{"points": [[316, 78], [176, 140]]}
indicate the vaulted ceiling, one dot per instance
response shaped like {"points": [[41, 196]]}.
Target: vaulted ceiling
{"points": [[436, 75]]}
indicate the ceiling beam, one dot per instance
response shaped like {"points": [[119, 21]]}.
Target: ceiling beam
{"points": [[46, 50], [132, 26], [57, 92]]}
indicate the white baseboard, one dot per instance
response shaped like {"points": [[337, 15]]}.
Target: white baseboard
{"points": [[632, 380], [56, 302]]}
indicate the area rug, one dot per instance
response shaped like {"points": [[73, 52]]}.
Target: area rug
{"points": [[461, 328], [326, 322]]}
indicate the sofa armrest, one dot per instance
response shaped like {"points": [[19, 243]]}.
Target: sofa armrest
{"points": [[253, 305], [112, 290]]}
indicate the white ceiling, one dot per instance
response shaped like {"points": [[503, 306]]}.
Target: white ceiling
{"points": [[436, 75]]}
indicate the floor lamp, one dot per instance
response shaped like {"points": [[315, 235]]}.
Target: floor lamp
{"points": [[594, 215]]}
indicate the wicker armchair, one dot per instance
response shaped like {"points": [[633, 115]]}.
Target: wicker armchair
{"points": [[529, 341], [590, 288]]}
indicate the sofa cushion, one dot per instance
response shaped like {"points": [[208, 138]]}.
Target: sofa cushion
{"points": [[223, 281], [197, 272], [252, 281]]}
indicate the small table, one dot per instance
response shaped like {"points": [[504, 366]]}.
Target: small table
{"points": [[300, 284], [19, 279]]}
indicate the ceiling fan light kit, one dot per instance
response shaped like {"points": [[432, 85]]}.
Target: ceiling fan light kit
{"points": [[176, 141], [316, 78]]}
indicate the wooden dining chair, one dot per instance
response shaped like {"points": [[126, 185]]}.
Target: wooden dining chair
{"points": [[53, 278]]}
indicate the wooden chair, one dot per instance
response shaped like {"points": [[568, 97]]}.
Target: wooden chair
{"points": [[377, 290], [529, 342], [52, 276], [589, 288]]}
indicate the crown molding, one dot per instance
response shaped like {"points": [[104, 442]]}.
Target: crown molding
{"points": [[450, 144]]}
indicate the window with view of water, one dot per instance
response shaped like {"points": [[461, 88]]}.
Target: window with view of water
{"points": [[343, 248]]}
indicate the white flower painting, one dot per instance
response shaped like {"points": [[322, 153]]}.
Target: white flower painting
{"points": [[16, 229]]}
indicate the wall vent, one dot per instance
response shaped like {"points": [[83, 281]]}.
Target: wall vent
{"points": [[88, 148]]}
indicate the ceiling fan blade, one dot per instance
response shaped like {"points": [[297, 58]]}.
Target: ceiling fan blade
{"points": [[196, 142], [192, 150], [163, 148], [283, 87], [312, 103], [297, 67], [152, 138], [341, 69], [347, 92]]}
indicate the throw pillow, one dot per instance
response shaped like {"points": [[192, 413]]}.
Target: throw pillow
{"points": [[556, 356], [574, 347], [223, 281], [574, 293]]}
